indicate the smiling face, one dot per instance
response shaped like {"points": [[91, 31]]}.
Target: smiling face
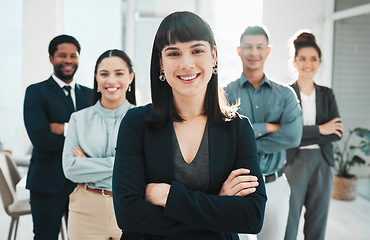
{"points": [[65, 61], [188, 68], [253, 51], [307, 62], [113, 77]]}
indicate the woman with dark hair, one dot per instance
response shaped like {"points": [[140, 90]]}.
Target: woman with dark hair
{"points": [[186, 165], [308, 167], [89, 148]]}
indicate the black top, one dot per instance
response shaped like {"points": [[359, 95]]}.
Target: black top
{"points": [[194, 175]]}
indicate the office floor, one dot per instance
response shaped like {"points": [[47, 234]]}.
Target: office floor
{"points": [[348, 220]]}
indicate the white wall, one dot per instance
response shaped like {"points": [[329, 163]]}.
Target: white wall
{"points": [[283, 19], [36, 65], [97, 26], [27, 28], [230, 22], [11, 87], [148, 15], [227, 20]]}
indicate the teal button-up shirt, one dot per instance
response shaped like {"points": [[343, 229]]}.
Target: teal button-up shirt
{"points": [[271, 102]]}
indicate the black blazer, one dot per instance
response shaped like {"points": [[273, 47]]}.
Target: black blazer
{"points": [[326, 110], [45, 103], [144, 154]]}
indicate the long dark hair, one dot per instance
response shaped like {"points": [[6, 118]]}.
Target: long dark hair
{"points": [[130, 95], [181, 27]]}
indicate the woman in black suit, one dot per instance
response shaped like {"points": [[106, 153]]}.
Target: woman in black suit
{"points": [[186, 166], [308, 167]]}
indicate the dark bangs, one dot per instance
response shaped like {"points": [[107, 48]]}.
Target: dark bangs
{"points": [[180, 27], [183, 27]]}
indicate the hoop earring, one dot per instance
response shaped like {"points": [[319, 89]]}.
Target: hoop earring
{"points": [[162, 77], [129, 88], [215, 70]]}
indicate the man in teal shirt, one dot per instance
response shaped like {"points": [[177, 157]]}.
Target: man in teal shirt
{"points": [[276, 117]]}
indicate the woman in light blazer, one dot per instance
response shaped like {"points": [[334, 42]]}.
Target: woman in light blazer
{"points": [[308, 167], [186, 166], [89, 149]]}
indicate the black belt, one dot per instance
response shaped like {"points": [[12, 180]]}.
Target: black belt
{"points": [[272, 177]]}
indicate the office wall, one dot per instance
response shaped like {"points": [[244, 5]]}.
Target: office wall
{"points": [[283, 19], [26, 29], [11, 87]]}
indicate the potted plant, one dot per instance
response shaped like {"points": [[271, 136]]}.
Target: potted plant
{"points": [[345, 183]]}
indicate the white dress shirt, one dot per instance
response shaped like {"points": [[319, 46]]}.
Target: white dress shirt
{"points": [[309, 113]]}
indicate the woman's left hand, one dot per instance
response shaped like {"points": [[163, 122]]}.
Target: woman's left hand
{"points": [[239, 183], [156, 193], [78, 152]]}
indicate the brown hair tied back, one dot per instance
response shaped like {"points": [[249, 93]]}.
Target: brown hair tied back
{"points": [[305, 39]]}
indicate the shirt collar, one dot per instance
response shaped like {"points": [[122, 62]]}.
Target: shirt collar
{"points": [[244, 80], [62, 84], [113, 113]]}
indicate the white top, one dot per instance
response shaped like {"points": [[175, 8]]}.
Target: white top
{"points": [[309, 113]]}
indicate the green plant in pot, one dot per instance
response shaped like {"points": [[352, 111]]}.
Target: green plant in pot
{"points": [[345, 183]]}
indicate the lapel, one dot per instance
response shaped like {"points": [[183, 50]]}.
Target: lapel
{"points": [[319, 102], [214, 152], [79, 97], [296, 89], [319, 99], [56, 90], [160, 153]]}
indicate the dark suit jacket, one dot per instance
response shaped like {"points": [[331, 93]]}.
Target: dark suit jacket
{"points": [[45, 103], [144, 154], [326, 110]]}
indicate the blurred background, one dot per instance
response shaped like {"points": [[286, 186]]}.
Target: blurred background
{"points": [[341, 27]]}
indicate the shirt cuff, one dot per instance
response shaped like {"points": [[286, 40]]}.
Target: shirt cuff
{"points": [[260, 129], [65, 129]]}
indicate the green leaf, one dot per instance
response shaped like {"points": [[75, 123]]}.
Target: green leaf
{"points": [[352, 147], [362, 132], [344, 156], [357, 160], [366, 149]]}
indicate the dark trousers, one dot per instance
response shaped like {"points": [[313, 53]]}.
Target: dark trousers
{"points": [[310, 179], [47, 211]]}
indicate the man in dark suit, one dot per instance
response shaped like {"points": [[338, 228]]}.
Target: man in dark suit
{"points": [[47, 109]]}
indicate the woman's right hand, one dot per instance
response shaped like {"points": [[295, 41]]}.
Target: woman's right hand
{"points": [[239, 183], [334, 126]]}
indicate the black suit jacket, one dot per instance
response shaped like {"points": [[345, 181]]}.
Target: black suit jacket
{"points": [[144, 154], [326, 110], [46, 103]]}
